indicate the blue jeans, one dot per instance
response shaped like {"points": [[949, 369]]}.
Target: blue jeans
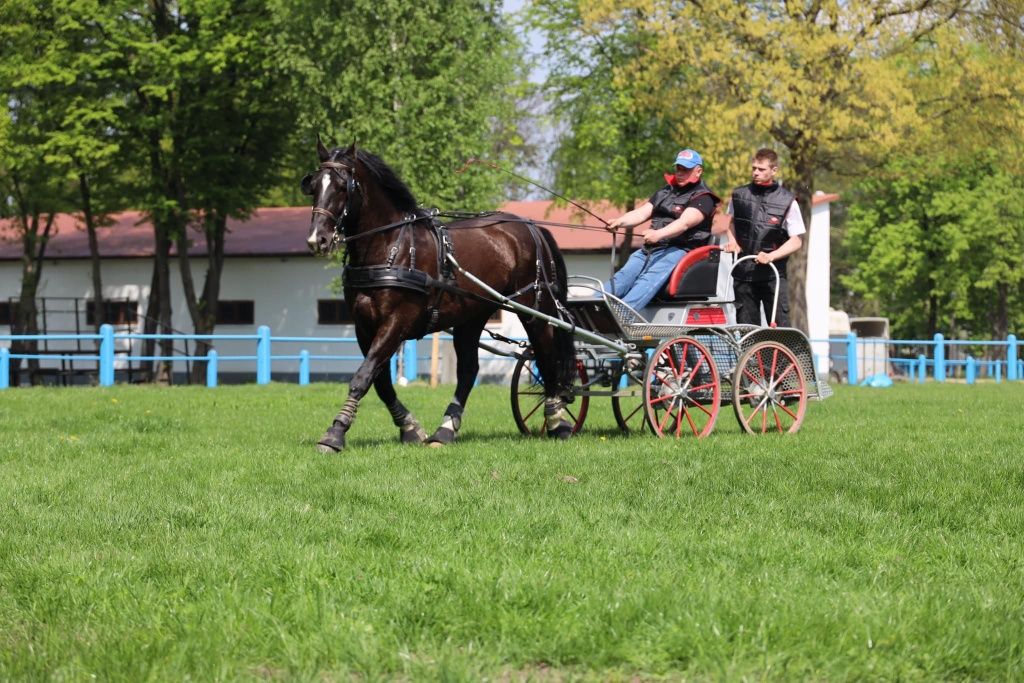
{"points": [[644, 275]]}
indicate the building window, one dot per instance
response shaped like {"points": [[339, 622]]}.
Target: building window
{"points": [[332, 312], [117, 312], [236, 312], [6, 313]]}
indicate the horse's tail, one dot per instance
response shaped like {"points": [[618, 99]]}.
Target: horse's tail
{"points": [[565, 349]]}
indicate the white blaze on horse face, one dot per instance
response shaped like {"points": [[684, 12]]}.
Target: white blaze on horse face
{"points": [[325, 182]]}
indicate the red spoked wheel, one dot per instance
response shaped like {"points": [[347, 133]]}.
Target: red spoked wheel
{"points": [[682, 392], [769, 390], [528, 398]]}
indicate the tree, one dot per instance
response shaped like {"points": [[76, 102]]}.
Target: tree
{"points": [[821, 79], [425, 85], [942, 230], [32, 191], [612, 145], [90, 145], [215, 121]]}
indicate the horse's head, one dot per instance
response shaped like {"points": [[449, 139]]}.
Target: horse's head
{"points": [[337, 196]]}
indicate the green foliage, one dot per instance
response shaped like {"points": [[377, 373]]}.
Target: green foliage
{"points": [[613, 145], [938, 245], [186, 533], [425, 85]]}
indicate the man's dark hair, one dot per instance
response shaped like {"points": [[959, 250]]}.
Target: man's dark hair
{"points": [[767, 154]]}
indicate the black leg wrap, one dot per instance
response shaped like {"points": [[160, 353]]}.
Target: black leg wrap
{"points": [[333, 440], [449, 428]]}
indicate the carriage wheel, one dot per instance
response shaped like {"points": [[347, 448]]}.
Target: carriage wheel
{"points": [[681, 389], [629, 411], [769, 390], [528, 398]]}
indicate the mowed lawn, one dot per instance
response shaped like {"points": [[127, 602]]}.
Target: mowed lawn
{"points": [[187, 533]]}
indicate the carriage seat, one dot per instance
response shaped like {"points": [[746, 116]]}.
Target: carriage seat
{"points": [[695, 277]]}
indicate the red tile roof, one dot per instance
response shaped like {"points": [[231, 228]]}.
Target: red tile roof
{"points": [[282, 232]]}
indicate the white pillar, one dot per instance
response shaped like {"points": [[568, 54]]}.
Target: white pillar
{"points": [[818, 270]]}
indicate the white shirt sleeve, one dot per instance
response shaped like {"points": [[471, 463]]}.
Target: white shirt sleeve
{"points": [[794, 221]]}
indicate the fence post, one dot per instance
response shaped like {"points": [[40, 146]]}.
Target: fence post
{"points": [[409, 362], [303, 367], [393, 368], [998, 369], [922, 368], [851, 359], [940, 358], [972, 370], [106, 355], [211, 368], [263, 355], [1011, 357], [5, 368]]}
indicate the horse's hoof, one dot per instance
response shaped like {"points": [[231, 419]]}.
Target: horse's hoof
{"points": [[333, 441], [562, 431], [412, 434], [442, 437]]}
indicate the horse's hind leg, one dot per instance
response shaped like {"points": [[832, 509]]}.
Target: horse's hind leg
{"points": [[384, 344], [467, 365], [554, 355]]}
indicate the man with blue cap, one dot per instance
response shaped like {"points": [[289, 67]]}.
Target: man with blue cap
{"points": [[680, 215]]}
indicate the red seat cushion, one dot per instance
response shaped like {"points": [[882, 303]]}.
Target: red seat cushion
{"points": [[689, 259]]}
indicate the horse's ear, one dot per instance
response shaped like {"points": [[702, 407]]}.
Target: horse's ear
{"points": [[321, 150], [351, 151]]}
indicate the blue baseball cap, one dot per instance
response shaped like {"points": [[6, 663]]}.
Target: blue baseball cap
{"points": [[688, 158]]}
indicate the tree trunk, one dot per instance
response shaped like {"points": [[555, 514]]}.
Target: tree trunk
{"points": [[204, 309], [150, 319], [162, 370], [27, 316], [796, 268], [98, 305]]}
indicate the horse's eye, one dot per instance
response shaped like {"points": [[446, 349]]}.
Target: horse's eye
{"points": [[307, 184]]}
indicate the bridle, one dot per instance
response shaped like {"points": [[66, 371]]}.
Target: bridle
{"points": [[349, 216]]}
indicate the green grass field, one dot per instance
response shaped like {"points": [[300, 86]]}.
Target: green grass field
{"points": [[186, 533]]}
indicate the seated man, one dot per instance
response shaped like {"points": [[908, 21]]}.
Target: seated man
{"points": [[680, 215]]}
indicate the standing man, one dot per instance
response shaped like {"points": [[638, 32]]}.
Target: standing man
{"points": [[765, 222], [680, 215]]}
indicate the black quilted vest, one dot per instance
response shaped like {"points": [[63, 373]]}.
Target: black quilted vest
{"points": [[669, 203], [759, 220]]}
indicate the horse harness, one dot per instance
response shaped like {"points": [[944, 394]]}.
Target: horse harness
{"points": [[389, 275]]}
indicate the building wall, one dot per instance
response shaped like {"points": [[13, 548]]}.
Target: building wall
{"points": [[284, 291]]}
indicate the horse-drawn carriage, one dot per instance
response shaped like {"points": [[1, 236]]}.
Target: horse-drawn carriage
{"points": [[668, 370]]}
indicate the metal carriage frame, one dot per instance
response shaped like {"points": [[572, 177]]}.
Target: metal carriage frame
{"points": [[670, 379]]}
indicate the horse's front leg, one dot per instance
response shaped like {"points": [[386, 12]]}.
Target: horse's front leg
{"points": [[409, 428], [467, 365], [383, 346]]}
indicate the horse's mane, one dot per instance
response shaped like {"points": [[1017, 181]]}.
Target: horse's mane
{"points": [[393, 186]]}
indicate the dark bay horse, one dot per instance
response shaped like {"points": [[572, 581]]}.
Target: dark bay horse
{"points": [[399, 284]]}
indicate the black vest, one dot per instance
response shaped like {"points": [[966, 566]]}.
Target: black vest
{"points": [[669, 204], [759, 220]]}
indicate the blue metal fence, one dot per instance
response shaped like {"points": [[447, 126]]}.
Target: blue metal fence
{"points": [[939, 358]]}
